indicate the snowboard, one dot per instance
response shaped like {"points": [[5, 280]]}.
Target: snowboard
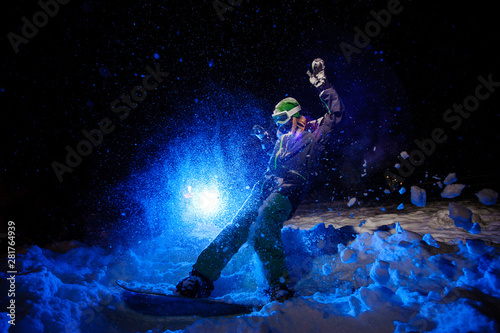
{"points": [[158, 304]]}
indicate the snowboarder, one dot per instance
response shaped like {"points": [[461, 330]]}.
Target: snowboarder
{"points": [[293, 163]]}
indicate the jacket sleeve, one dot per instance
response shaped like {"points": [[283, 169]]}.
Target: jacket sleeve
{"points": [[333, 104], [334, 115]]}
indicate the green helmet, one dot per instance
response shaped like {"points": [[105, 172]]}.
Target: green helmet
{"points": [[285, 110]]}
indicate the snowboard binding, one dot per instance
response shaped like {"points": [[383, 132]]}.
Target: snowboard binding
{"points": [[195, 286]]}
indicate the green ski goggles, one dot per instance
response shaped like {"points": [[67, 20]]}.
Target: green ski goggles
{"points": [[282, 117]]}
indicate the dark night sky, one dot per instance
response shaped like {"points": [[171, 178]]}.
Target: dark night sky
{"points": [[65, 77]]}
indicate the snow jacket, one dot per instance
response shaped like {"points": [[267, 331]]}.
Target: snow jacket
{"points": [[296, 157]]}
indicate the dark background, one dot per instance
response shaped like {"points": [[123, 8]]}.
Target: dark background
{"points": [[64, 78]]}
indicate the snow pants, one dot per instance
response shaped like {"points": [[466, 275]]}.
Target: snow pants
{"points": [[261, 224]]}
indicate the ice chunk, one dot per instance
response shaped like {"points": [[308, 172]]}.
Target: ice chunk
{"points": [[462, 216], [430, 240], [348, 256], [327, 269], [452, 191], [355, 305], [476, 246], [432, 295], [404, 155], [493, 277], [418, 196], [379, 272], [401, 206], [450, 179], [402, 190], [487, 196], [360, 278], [351, 202], [476, 229]]}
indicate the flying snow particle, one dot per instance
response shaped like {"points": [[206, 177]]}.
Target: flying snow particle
{"points": [[418, 196], [104, 71], [401, 206], [351, 202], [487, 196], [450, 179], [452, 191]]}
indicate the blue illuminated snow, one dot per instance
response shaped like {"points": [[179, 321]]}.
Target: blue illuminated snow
{"points": [[346, 280]]}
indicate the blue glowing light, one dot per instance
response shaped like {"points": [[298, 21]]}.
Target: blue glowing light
{"points": [[203, 170], [209, 201]]}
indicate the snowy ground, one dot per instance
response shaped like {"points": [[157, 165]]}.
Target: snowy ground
{"points": [[433, 219], [387, 269]]}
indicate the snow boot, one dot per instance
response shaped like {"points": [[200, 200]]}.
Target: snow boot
{"points": [[280, 293], [195, 286]]}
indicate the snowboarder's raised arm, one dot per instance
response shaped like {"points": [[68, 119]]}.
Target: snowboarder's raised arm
{"points": [[328, 94], [332, 102]]}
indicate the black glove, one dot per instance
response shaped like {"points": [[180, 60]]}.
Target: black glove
{"points": [[318, 76]]}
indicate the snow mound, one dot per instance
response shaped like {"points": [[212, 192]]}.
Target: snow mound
{"points": [[392, 280]]}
